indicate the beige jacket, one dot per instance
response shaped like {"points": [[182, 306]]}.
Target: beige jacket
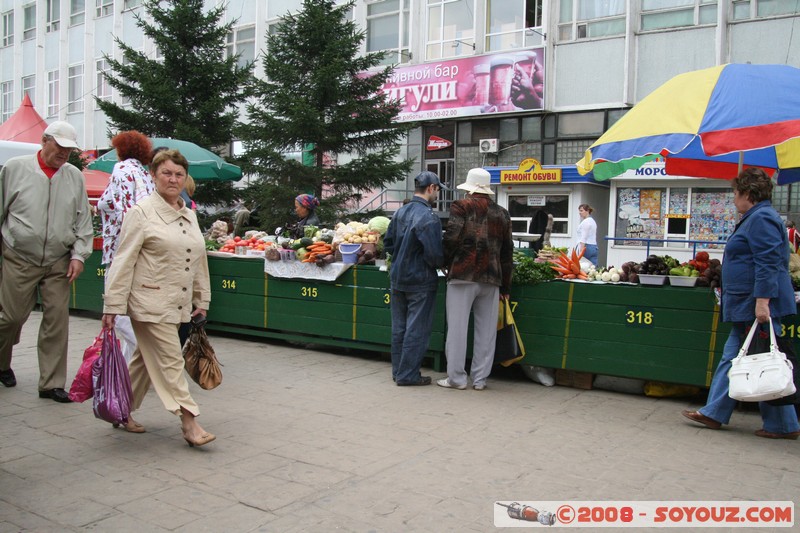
{"points": [[160, 267], [44, 219]]}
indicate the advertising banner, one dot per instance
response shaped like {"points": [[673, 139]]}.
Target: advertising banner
{"points": [[495, 83]]}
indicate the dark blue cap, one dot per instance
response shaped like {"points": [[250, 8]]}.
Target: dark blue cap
{"points": [[426, 178]]}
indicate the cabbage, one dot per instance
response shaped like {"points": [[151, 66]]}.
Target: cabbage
{"points": [[379, 224]]}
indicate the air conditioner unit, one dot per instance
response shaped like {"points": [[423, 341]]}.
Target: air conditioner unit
{"points": [[488, 146]]}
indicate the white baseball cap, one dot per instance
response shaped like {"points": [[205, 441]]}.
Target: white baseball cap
{"points": [[64, 133]]}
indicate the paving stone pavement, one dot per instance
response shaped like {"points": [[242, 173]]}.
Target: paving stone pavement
{"points": [[310, 439]]}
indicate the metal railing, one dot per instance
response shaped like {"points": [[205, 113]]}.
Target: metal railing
{"points": [[648, 240], [392, 202]]}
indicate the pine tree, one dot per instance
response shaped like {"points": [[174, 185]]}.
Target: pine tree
{"points": [[190, 93], [316, 97]]}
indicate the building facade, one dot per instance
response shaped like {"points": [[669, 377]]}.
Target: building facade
{"points": [[594, 60]]}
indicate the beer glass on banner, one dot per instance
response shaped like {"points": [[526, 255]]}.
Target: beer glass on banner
{"points": [[500, 77]]}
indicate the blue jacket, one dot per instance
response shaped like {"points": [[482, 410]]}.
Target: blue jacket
{"points": [[756, 265], [414, 239]]}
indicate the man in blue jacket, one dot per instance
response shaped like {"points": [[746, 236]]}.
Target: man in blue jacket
{"points": [[414, 240]]}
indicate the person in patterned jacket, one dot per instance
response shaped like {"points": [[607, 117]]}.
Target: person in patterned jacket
{"points": [[130, 183], [478, 255]]}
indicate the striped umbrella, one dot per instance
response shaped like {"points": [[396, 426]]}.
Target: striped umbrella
{"points": [[709, 123]]}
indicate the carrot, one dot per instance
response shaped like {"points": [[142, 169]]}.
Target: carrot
{"points": [[569, 276]]}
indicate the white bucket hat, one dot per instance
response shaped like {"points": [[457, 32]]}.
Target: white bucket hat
{"points": [[478, 181], [64, 134]]}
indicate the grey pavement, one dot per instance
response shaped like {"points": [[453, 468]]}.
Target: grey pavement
{"points": [[311, 439]]}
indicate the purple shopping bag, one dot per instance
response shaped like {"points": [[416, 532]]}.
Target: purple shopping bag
{"points": [[111, 382]]}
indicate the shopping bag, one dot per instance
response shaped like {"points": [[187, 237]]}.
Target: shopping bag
{"points": [[111, 382], [199, 358], [762, 376], [508, 348], [82, 388]]}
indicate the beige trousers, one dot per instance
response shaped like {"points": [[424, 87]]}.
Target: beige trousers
{"points": [[158, 360], [19, 281]]}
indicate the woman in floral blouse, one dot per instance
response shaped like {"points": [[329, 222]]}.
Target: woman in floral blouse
{"points": [[130, 183]]}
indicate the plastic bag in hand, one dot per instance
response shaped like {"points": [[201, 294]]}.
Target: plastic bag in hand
{"points": [[81, 388], [111, 382]]}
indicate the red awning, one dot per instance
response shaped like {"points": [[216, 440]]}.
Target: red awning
{"points": [[96, 182], [25, 125]]}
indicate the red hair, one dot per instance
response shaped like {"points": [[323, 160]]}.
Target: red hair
{"points": [[132, 144]]}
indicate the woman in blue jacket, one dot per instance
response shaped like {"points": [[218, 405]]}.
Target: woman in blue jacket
{"points": [[755, 285]]}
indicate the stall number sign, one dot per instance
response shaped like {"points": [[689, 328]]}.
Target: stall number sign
{"points": [[228, 284], [536, 200], [640, 317]]}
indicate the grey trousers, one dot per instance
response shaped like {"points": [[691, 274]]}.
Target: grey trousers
{"points": [[482, 300]]}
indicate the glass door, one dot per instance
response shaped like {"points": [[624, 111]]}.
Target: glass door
{"points": [[445, 169]]}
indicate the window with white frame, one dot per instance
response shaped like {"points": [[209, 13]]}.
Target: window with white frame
{"points": [[8, 28], [451, 29], [53, 93], [103, 87], [748, 9], [53, 15], [387, 30], [6, 100], [77, 12], [663, 14], [585, 19], [103, 8], [242, 41], [513, 24], [524, 208], [130, 4], [75, 89], [28, 22], [29, 87]]}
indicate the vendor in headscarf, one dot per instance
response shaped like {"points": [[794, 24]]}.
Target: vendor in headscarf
{"points": [[305, 206]]}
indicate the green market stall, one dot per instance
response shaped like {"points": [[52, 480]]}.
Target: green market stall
{"points": [[661, 333]]}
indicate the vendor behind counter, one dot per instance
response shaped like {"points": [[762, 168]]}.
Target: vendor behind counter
{"points": [[305, 206]]}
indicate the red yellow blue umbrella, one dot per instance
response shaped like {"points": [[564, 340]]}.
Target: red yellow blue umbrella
{"points": [[708, 123]]}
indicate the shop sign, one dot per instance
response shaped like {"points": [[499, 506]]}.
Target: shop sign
{"points": [[471, 86], [530, 171], [437, 143], [673, 215], [536, 200], [650, 169]]}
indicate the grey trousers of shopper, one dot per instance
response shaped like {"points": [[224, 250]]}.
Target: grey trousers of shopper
{"points": [[482, 300]]}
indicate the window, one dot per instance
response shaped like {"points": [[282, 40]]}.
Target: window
{"points": [[103, 87], [103, 8], [661, 14], [29, 87], [242, 41], [29, 22], [387, 30], [583, 19], [513, 24], [747, 9], [451, 29], [53, 15], [674, 213], [77, 12], [8, 28], [6, 100], [524, 207], [75, 89], [130, 4], [52, 93]]}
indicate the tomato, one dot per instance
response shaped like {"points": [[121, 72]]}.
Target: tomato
{"points": [[237, 239]]}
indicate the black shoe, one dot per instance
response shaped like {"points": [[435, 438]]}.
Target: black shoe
{"points": [[57, 395], [423, 380], [8, 378]]}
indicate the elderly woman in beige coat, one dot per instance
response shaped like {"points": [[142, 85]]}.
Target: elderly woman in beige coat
{"points": [[159, 272]]}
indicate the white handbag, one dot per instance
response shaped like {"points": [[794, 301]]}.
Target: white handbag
{"points": [[763, 376]]}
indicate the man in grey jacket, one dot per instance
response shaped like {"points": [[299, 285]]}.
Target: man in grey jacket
{"points": [[45, 236]]}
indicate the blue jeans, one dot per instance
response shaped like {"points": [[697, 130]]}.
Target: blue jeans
{"points": [[719, 406], [412, 321], [591, 253]]}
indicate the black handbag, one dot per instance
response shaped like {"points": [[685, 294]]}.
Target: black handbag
{"points": [[508, 347]]}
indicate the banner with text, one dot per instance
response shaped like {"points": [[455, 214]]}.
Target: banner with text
{"points": [[496, 83]]}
